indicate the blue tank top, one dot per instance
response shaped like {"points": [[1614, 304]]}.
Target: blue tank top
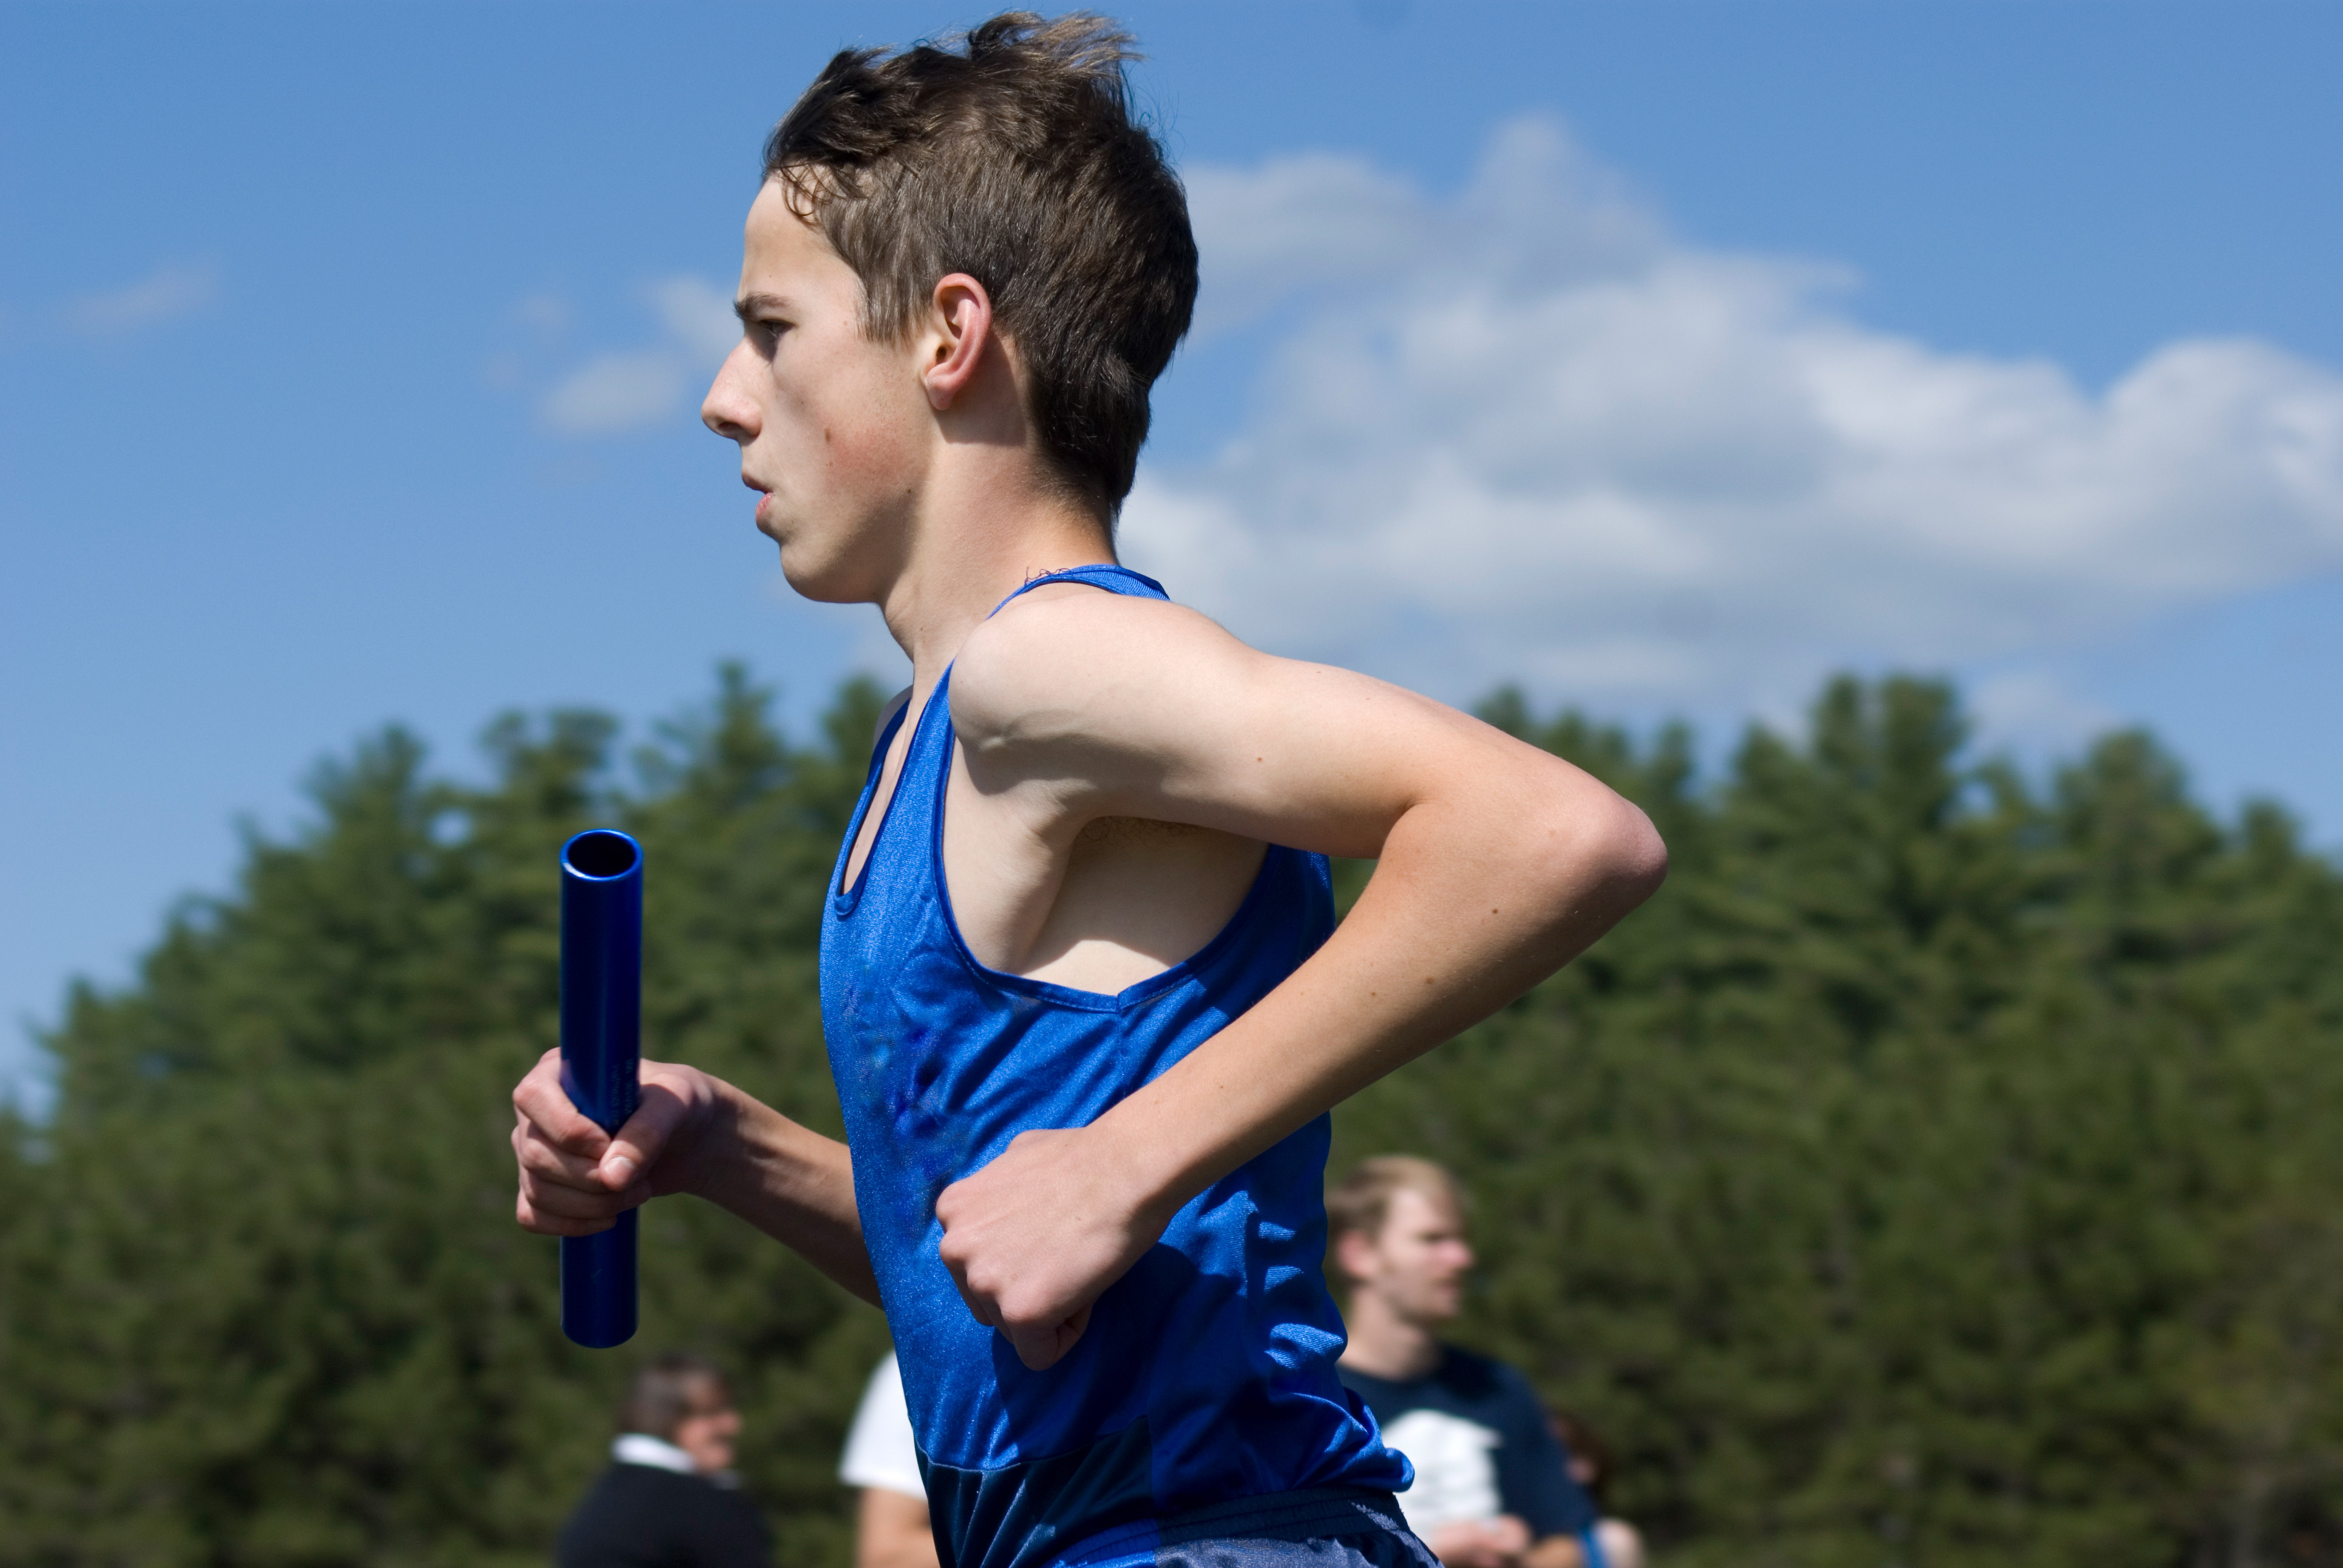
{"points": [[1206, 1374]]}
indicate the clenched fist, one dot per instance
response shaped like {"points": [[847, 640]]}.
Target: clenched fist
{"points": [[575, 1178], [1036, 1237]]}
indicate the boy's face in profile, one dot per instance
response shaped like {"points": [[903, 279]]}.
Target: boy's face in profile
{"points": [[835, 430]]}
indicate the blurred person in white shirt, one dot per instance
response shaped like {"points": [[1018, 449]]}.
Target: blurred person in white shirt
{"points": [[890, 1525]]}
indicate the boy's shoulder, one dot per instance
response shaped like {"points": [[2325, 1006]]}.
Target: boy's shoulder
{"points": [[1067, 663]]}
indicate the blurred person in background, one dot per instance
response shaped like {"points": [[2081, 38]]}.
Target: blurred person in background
{"points": [[890, 1518], [1591, 1464], [669, 1499], [1494, 1485]]}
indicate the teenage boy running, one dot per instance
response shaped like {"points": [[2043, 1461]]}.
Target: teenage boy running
{"points": [[1084, 1001]]}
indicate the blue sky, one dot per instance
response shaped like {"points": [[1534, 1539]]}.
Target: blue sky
{"points": [[1663, 356]]}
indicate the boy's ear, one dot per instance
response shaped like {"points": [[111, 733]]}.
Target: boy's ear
{"points": [[960, 321]]}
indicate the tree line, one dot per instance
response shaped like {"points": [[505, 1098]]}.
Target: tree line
{"points": [[1942, 1170]]}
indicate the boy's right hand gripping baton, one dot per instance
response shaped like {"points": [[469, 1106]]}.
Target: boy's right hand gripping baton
{"points": [[601, 1055]]}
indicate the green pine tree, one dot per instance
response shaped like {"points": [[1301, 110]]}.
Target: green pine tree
{"points": [[1939, 1171]]}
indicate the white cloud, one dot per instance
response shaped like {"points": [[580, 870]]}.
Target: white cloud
{"points": [[643, 388], [698, 316], [2035, 710], [547, 316], [161, 294], [617, 392], [1524, 433], [1322, 224]]}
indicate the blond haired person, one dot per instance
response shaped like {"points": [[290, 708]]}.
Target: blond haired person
{"points": [[1493, 1487]]}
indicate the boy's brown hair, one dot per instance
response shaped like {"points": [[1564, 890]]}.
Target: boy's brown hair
{"points": [[1013, 157]]}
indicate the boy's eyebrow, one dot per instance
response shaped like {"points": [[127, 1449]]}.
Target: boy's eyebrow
{"points": [[747, 305]]}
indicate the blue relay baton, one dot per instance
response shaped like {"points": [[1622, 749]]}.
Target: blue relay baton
{"points": [[601, 1054]]}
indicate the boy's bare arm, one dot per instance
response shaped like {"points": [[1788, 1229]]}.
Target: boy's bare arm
{"points": [[693, 1133], [1498, 863]]}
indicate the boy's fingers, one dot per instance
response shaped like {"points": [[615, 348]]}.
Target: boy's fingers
{"points": [[980, 1303], [1036, 1348], [1045, 1345], [642, 1139], [1071, 1330], [563, 1195], [583, 1199], [540, 1157], [546, 1224], [540, 1102]]}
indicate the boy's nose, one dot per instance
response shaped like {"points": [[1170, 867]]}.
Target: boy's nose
{"points": [[728, 409]]}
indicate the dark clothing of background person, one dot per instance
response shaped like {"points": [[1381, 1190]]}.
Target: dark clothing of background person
{"points": [[641, 1516], [1527, 1467]]}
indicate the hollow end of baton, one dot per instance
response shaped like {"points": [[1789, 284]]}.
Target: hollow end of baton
{"points": [[599, 854]]}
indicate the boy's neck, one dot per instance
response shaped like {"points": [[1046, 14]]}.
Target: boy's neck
{"points": [[984, 529], [984, 516]]}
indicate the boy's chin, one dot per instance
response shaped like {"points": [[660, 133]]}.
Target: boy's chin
{"points": [[821, 584]]}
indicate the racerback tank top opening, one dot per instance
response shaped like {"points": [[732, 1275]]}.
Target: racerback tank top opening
{"points": [[1144, 986]]}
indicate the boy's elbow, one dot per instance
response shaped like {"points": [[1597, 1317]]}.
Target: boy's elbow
{"points": [[1639, 855], [1611, 859]]}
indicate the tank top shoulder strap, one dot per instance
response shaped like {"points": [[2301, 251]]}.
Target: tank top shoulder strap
{"points": [[1114, 580]]}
